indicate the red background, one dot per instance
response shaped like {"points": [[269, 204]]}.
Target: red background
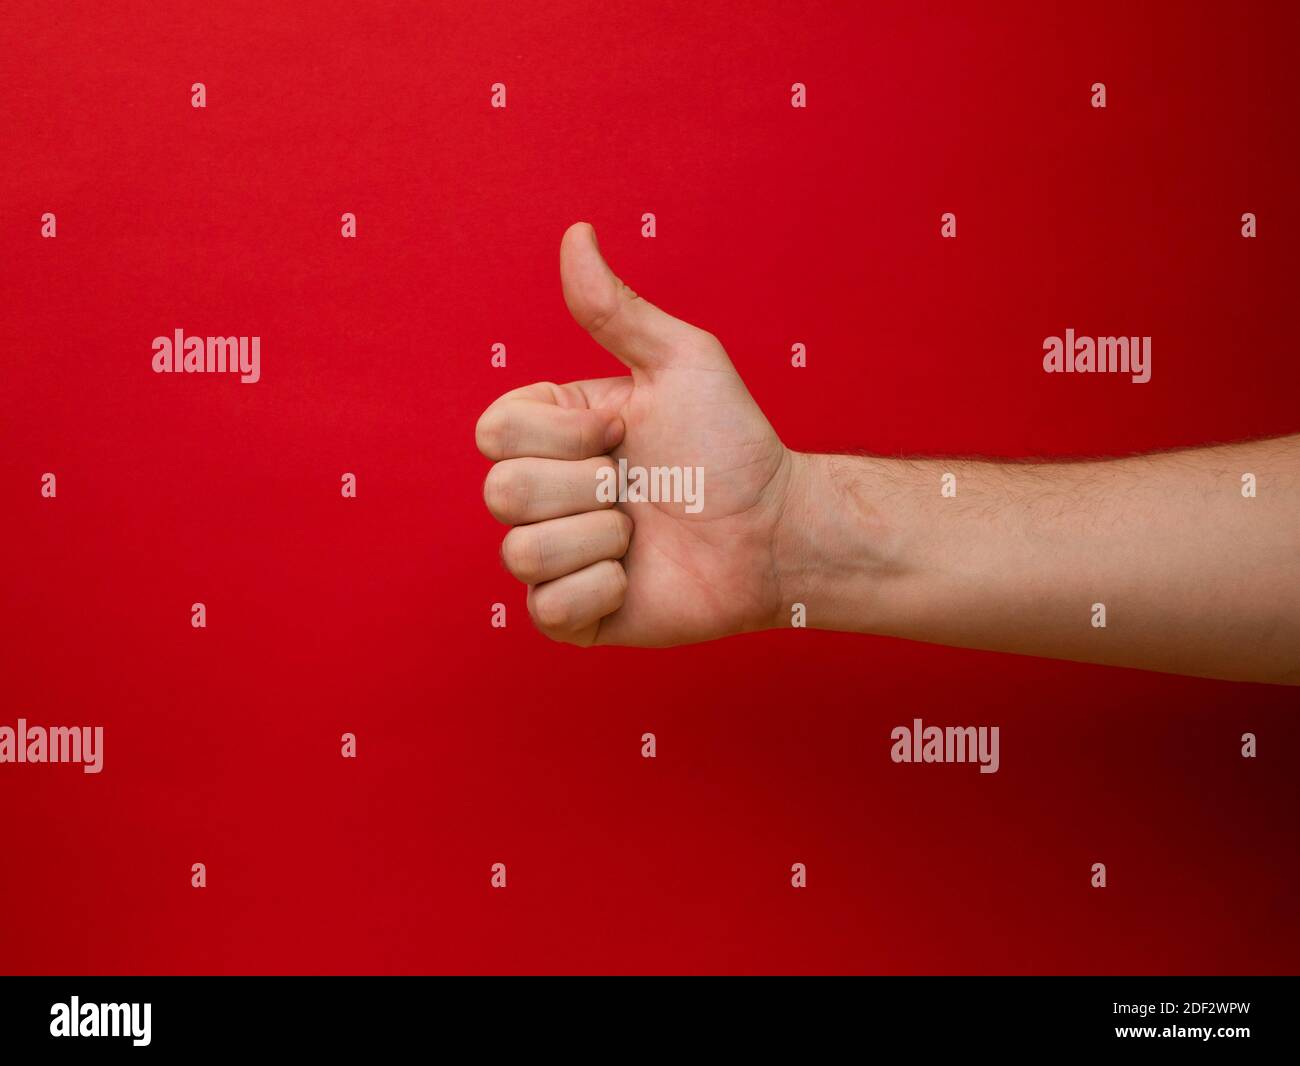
{"points": [[476, 745]]}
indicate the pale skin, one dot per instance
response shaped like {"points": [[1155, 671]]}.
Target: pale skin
{"points": [[1195, 577]]}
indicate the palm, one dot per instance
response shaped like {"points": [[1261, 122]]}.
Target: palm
{"points": [[698, 576]]}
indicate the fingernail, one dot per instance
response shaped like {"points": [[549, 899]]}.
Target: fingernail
{"points": [[613, 432]]}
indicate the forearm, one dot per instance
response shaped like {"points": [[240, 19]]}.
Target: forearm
{"points": [[1194, 577]]}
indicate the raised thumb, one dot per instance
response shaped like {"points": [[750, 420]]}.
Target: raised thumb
{"points": [[635, 330]]}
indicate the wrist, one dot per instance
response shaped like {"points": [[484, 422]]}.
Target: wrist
{"points": [[837, 551]]}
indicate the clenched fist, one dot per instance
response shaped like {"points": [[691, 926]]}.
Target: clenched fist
{"points": [[641, 573]]}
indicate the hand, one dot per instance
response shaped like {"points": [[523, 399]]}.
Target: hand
{"points": [[645, 574]]}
